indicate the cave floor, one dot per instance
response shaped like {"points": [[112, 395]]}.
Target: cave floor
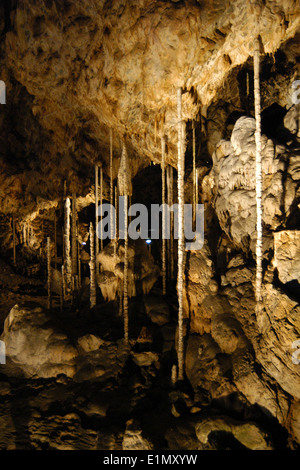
{"points": [[60, 413], [93, 413]]}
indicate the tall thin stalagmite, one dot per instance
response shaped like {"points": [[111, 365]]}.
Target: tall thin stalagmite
{"points": [[181, 241], [74, 235], [49, 272], [92, 264], [163, 188], [258, 174], [125, 189], [67, 246]]}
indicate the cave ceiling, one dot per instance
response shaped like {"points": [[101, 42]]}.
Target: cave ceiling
{"points": [[76, 69]]}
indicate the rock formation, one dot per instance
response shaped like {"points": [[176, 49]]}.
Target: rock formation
{"points": [[198, 369]]}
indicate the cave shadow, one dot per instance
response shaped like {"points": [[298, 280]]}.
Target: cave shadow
{"points": [[233, 407], [290, 288]]}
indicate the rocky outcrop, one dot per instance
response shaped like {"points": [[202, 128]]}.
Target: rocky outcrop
{"points": [[287, 255], [35, 345], [248, 434], [233, 181], [133, 438], [142, 271]]}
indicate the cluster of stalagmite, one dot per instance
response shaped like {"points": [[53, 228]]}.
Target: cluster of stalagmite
{"points": [[121, 194]]}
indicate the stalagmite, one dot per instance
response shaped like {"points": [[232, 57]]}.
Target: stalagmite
{"points": [[163, 177], [258, 174], [180, 272], [67, 258], [49, 272], [125, 189], [74, 236], [93, 299]]}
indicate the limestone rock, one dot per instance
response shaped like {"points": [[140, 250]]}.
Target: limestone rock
{"points": [[295, 420], [287, 255], [142, 271], [145, 359], [89, 343], [157, 309], [226, 332], [35, 345], [204, 367], [134, 439], [234, 185], [248, 434]]}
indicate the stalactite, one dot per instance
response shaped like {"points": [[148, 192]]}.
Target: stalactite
{"points": [[125, 288], [49, 272], [197, 187], [74, 236], [247, 85], [78, 259], [55, 241], [111, 185], [258, 172], [63, 284], [180, 272], [61, 297], [14, 241], [101, 203], [163, 177], [24, 234], [67, 260], [93, 299], [174, 375], [116, 223], [170, 184], [194, 174], [125, 189], [96, 205]]}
